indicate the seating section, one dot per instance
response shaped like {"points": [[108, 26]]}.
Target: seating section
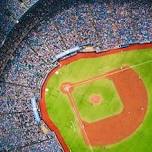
{"points": [[105, 25], [11, 12]]}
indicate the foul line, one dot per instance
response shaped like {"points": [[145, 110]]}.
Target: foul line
{"points": [[74, 107], [108, 74]]}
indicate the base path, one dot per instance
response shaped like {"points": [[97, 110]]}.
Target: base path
{"points": [[134, 97]]}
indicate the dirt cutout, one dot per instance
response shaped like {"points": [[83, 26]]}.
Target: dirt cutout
{"points": [[95, 99]]}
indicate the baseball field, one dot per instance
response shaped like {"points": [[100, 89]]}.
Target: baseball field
{"points": [[101, 102]]}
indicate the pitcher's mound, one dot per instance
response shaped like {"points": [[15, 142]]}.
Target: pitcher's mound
{"points": [[95, 99]]}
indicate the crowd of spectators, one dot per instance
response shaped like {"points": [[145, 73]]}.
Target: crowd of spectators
{"points": [[106, 26], [27, 68], [10, 13], [18, 128], [102, 24]]}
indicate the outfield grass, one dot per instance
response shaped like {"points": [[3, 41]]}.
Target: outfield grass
{"points": [[62, 115]]}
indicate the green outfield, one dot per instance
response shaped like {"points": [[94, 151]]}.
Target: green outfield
{"points": [[61, 113]]}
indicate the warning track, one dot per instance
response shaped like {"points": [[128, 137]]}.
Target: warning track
{"points": [[126, 113]]}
